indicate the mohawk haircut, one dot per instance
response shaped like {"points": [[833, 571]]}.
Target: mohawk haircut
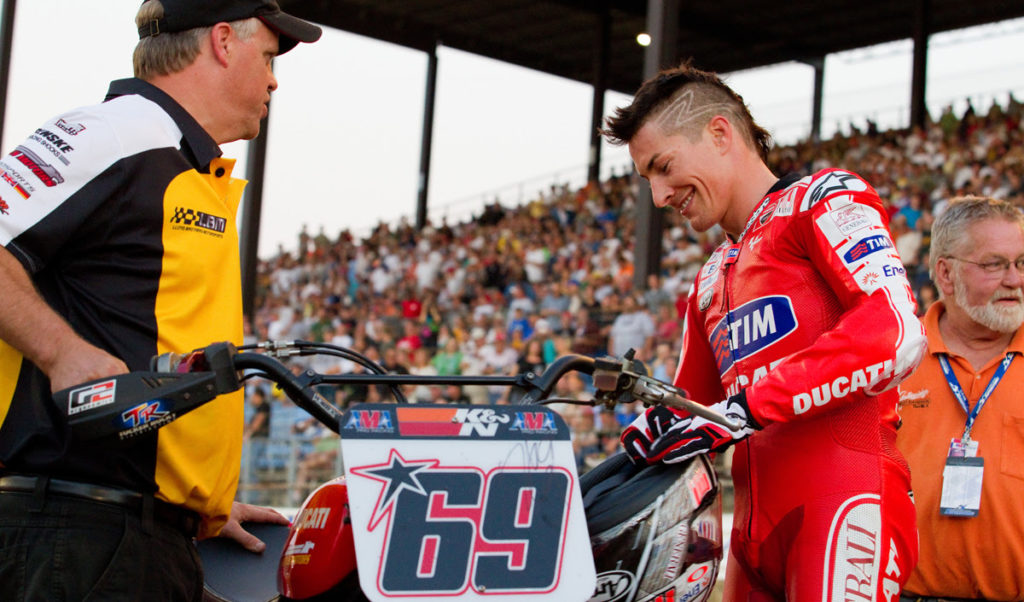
{"points": [[683, 100]]}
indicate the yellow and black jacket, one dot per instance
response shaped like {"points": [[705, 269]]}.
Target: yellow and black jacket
{"points": [[123, 214]]}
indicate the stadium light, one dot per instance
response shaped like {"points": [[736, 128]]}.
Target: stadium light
{"points": [[644, 39]]}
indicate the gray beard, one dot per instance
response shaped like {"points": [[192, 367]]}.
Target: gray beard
{"points": [[1000, 319]]}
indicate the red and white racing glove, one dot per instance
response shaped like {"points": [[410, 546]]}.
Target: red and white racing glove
{"points": [[666, 435]]}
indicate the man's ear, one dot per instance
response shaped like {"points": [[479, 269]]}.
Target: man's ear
{"points": [[721, 131], [220, 40], [944, 276]]}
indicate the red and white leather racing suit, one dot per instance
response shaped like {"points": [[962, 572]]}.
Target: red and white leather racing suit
{"points": [[810, 312]]}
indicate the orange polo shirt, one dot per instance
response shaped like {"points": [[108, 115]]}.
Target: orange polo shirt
{"points": [[982, 556]]}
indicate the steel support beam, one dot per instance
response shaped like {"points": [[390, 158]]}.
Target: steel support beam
{"points": [[428, 136], [922, 29], [6, 43], [663, 27], [603, 45], [819, 94], [255, 167]]}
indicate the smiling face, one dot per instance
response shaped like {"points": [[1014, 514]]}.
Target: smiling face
{"points": [[686, 175]]}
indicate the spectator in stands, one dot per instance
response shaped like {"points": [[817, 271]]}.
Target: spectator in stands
{"points": [[499, 359], [411, 339], [454, 394], [322, 457], [553, 303], [258, 425], [421, 366], [962, 407], [667, 325], [448, 361], [656, 296], [633, 328], [532, 358], [663, 367], [586, 334], [585, 443]]}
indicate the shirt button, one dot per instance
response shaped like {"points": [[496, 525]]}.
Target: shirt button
{"points": [[219, 173]]}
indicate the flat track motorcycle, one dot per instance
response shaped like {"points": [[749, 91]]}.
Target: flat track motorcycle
{"points": [[443, 501]]}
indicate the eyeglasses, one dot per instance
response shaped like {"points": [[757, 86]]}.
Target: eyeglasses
{"points": [[995, 266]]}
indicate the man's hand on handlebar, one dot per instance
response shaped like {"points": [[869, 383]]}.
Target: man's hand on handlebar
{"points": [[667, 435], [241, 513], [76, 361]]}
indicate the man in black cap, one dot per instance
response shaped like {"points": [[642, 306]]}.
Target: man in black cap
{"points": [[118, 242]]}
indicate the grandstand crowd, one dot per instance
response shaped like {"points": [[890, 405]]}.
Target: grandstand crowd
{"points": [[514, 288]]}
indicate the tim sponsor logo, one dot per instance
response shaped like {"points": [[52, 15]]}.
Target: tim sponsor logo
{"points": [[751, 328], [867, 246]]}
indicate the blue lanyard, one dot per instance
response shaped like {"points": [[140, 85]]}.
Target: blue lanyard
{"points": [[954, 386]]}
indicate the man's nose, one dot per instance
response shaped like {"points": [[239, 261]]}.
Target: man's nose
{"points": [[660, 194]]}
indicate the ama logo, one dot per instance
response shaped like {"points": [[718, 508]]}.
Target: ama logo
{"points": [[866, 247], [533, 422], [750, 328], [370, 420]]}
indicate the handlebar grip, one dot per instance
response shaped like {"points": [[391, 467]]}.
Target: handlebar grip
{"points": [[674, 401], [137, 403], [132, 404]]}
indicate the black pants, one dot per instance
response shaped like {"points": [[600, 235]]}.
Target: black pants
{"points": [[54, 547]]}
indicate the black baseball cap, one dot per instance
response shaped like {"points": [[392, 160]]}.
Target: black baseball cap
{"points": [[182, 15]]}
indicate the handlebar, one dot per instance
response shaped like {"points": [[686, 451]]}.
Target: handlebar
{"points": [[133, 404]]}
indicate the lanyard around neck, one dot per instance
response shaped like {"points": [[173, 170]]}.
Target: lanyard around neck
{"points": [[958, 392]]}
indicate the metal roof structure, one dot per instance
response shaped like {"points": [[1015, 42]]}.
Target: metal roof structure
{"points": [[561, 37]]}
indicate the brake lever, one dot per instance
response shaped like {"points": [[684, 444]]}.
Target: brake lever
{"points": [[651, 390]]}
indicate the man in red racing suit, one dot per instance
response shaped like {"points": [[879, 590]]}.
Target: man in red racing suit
{"points": [[803, 323]]}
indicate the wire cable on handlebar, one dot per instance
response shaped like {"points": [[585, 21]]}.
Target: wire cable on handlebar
{"points": [[305, 348]]}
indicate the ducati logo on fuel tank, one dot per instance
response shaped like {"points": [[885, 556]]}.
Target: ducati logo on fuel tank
{"points": [[752, 327]]}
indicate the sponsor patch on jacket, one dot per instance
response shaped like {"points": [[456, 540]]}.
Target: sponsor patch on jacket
{"points": [[831, 183], [46, 173], [850, 218], [866, 246], [751, 328], [709, 273], [185, 218]]}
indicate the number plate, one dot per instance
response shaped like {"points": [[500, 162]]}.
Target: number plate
{"points": [[465, 502]]}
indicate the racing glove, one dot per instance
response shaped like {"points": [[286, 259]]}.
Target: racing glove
{"points": [[669, 436]]}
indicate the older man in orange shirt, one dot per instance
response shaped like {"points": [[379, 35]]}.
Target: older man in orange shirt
{"points": [[963, 414]]}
